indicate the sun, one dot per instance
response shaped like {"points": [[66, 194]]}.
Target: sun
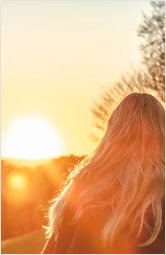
{"points": [[32, 138]]}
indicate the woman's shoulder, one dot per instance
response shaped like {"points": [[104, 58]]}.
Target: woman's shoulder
{"points": [[87, 234]]}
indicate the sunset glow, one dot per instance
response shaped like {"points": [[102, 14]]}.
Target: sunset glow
{"points": [[32, 138], [17, 182], [66, 67], [58, 56], [18, 186]]}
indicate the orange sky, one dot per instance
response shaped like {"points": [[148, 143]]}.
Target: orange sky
{"points": [[57, 56]]}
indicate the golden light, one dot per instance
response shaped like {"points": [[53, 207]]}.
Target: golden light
{"points": [[18, 188], [32, 138], [17, 182]]}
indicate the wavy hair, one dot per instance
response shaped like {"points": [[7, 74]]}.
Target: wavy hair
{"points": [[125, 173]]}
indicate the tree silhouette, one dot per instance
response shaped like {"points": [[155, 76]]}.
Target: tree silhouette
{"points": [[152, 32], [149, 79]]}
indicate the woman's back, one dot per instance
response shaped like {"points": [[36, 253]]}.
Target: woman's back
{"points": [[84, 237]]}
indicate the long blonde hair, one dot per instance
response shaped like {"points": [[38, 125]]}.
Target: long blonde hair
{"points": [[125, 173]]}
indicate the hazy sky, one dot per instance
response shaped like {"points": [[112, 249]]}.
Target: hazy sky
{"points": [[57, 56]]}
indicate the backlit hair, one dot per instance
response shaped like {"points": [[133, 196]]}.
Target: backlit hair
{"points": [[125, 173]]}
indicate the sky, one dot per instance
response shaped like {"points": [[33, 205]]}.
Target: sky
{"points": [[57, 56]]}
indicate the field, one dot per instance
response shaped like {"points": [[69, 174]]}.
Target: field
{"points": [[27, 244], [26, 194]]}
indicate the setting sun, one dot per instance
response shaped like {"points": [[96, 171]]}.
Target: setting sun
{"points": [[32, 138]]}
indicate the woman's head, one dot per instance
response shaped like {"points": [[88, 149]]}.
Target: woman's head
{"points": [[126, 172], [136, 129]]}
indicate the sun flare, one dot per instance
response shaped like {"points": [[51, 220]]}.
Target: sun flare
{"points": [[18, 188], [17, 182], [32, 138]]}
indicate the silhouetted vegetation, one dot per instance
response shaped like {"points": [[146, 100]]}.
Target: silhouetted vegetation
{"points": [[152, 32], [150, 78]]}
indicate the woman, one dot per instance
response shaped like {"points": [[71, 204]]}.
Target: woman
{"points": [[115, 203]]}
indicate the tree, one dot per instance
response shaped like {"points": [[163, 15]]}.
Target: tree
{"points": [[149, 79], [152, 32]]}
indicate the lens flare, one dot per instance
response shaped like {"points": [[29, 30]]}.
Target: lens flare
{"points": [[17, 188], [17, 182]]}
